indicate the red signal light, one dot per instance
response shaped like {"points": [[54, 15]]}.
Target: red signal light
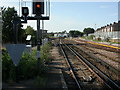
{"points": [[38, 8], [38, 5]]}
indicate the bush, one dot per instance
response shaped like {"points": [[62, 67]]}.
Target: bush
{"points": [[91, 37], [99, 39], [40, 81], [45, 52], [107, 39], [8, 68], [28, 65]]}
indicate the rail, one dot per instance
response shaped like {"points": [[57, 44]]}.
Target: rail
{"points": [[70, 67], [108, 81]]}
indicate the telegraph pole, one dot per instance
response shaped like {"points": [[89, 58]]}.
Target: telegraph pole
{"points": [[95, 26]]}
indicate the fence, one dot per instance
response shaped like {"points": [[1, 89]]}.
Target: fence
{"points": [[104, 35]]}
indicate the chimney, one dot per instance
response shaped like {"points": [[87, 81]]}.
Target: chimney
{"points": [[114, 23]]}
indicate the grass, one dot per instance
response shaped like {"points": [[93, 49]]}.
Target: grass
{"points": [[40, 81], [45, 52], [114, 42], [87, 38]]}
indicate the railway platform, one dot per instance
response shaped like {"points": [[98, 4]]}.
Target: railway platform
{"points": [[55, 73]]}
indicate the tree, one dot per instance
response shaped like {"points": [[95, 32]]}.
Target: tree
{"points": [[64, 31], [88, 31], [71, 33], [30, 31], [75, 33], [7, 28]]}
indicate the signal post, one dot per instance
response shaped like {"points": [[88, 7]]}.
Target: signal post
{"points": [[38, 10], [15, 50]]}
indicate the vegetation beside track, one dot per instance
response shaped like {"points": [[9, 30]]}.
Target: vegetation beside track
{"points": [[27, 67], [92, 38]]}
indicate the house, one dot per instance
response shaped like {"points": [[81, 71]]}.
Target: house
{"points": [[0, 25], [61, 34], [111, 31], [0, 18], [44, 32]]}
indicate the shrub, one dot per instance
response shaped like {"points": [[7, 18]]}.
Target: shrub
{"points": [[8, 68], [99, 39], [40, 81], [45, 52], [107, 39], [28, 66], [91, 37]]}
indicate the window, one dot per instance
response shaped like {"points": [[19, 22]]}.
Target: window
{"points": [[111, 29]]}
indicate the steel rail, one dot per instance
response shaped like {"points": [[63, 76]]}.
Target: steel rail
{"points": [[109, 81], [114, 70], [70, 67]]}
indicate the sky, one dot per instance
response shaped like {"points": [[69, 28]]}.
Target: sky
{"points": [[119, 10], [71, 15]]}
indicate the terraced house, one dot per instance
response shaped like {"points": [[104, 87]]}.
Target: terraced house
{"points": [[111, 31], [0, 25], [0, 18]]}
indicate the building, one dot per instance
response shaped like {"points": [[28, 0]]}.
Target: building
{"points": [[0, 25], [111, 31], [0, 18], [61, 34], [44, 32]]}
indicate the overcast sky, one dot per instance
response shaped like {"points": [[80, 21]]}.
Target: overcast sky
{"points": [[75, 15]]}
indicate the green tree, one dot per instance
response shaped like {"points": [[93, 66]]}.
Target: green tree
{"points": [[50, 34], [64, 31], [88, 31], [75, 33], [7, 27], [30, 31], [71, 33]]}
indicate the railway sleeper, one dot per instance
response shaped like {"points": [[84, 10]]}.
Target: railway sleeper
{"points": [[76, 69], [87, 79], [107, 66]]}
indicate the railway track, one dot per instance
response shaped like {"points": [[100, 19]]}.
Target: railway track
{"points": [[97, 50], [75, 67], [101, 46], [105, 64], [70, 67], [103, 59], [100, 53], [108, 69]]}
